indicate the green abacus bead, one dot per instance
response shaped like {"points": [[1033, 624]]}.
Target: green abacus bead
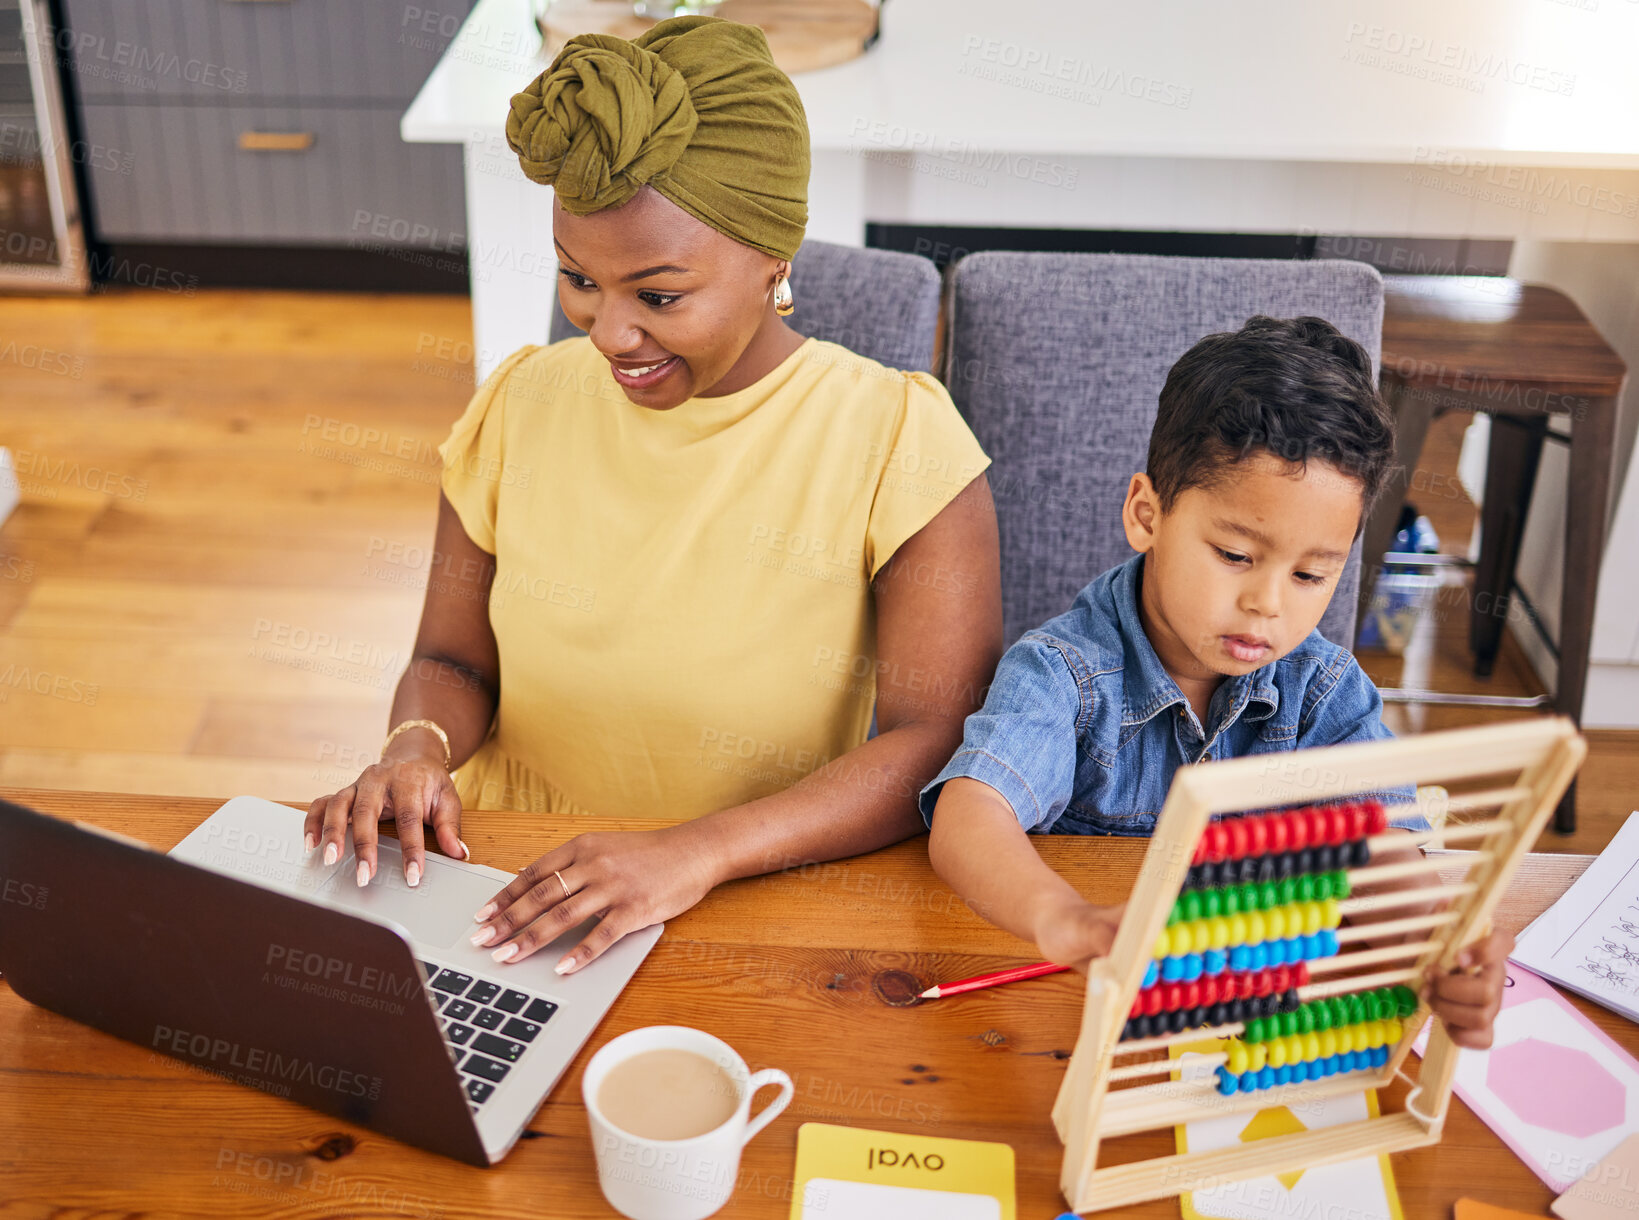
{"points": [[1268, 896], [1192, 904], [1340, 884], [1212, 904], [1321, 1015], [1254, 1030], [1305, 1020], [1232, 900], [1288, 889], [1174, 915], [1306, 887], [1340, 1011], [1405, 1000]]}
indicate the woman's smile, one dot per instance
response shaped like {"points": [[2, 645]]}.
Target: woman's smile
{"points": [[643, 376]]}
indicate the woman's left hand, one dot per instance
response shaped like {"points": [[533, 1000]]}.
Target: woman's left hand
{"points": [[631, 878]]}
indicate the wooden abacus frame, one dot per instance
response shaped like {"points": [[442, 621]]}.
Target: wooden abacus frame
{"points": [[1538, 759]]}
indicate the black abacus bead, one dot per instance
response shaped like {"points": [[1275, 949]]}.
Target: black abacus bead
{"points": [[1219, 1014], [1268, 1005], [1197, 1016], [1306, 861], [1325, 858], [1291, 1001], [1192, 879], [1247, 871], [1178, 1020], [1145, 1026], [1266, 868], [1360, 855], [1283, 866], [1127, 1029]]}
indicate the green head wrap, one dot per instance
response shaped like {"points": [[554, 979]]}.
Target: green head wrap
{"points": [[695, 108]]}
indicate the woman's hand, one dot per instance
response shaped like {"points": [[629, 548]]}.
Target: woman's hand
{"points": [[413, 790], [1072, 932], [631, 878]]}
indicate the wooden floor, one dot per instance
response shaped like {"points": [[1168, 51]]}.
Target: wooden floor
{"points": [[214, 577]]}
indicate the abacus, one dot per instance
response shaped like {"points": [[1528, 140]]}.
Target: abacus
{"points": [[1238, 930]]}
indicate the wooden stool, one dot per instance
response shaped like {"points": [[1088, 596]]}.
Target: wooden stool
{"points": [[1520, 353]]}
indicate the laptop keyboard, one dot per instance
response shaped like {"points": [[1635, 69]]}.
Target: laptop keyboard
{"points": [[487, 1027]]}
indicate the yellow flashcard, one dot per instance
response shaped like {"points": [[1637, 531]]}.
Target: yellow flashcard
{"points": [[852, 1173]]}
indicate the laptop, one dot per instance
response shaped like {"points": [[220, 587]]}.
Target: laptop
{"points": [[241, 954]]}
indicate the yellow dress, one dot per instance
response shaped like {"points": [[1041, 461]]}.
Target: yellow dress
{"points": [[682, 598]]}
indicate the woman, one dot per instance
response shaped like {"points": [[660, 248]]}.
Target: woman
{"points": [[686, 555]]}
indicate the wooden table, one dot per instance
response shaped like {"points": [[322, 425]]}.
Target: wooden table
{"points": [[1520, 353], [791, 969]]}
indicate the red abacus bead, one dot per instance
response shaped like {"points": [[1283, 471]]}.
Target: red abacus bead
{"points": [[1300, 974], [1261, 982], [1283, 978], [1172, 996], [1238, 839], [1357, 821], [1336, 823], [1300, 822], [1192, 995], [1257, 836], [1234, 987], [1199, 855], [1277, 834], [1217, 841], [1377, 818], [1152, 1001]]}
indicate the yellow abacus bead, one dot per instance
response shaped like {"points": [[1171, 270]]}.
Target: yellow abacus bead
{"points": [[1237, 929], [1312, 916], [1179, 939], [1277, 1052], [1330, 913], [1274, 920], [1311, 1046], [1257, 928], [1240, 1057], [1201, 934], [1376, 1034], [1163, 945], [1347, 1040], [1294, 1049], [1219, 928], [1260, 1057], [1395, 1029], [1328, 1043]]}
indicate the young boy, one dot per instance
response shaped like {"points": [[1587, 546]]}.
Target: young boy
{"points": [[1269, 445]]}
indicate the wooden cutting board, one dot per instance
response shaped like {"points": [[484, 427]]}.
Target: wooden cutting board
{"points": [[803, 35]]}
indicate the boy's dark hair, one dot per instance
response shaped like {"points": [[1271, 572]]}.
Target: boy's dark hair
{"points": [[1299, 389]]}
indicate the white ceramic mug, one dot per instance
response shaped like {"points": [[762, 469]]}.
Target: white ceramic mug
{"points": [[650, 1179]]}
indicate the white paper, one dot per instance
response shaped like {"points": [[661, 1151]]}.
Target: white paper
{"points": [[832, 1199], [1588, 941]]}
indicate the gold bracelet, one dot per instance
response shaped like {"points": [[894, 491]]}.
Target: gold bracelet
{"points": [[419, 724]]}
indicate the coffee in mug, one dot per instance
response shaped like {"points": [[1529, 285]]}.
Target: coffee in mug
{"points": [[668, 1094]]}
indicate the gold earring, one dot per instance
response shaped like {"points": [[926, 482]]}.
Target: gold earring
{"points": [[783, 301]]}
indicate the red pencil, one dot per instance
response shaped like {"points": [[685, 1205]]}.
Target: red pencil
{"points": [[992, 980]]}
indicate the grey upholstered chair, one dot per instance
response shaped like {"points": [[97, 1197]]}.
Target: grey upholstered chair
{"points": [[1057, 360], [876, 303]]}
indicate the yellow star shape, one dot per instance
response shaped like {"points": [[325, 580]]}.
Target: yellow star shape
{"points": [[1276, 1121]]}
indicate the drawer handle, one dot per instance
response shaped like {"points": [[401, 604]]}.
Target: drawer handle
{"points": [[275, 141]]}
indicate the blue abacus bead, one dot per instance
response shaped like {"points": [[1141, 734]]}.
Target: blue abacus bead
{"points": [[1275, 952], [1294, 950], [1249, 1081], [1380, 1056], [1331, 1065], [1192, 967], [1227, 1081], [1311, 946], [1328, 942], [1266, 1077], [1300, 1071], [1152, 972], [1239, 956], [1172, 969], [1257, 957], [1283, 1074], [1353, 1064], [1213, 962]]}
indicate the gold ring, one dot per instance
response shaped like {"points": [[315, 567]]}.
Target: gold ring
{"points": [[561, 882], [1472, 972]]}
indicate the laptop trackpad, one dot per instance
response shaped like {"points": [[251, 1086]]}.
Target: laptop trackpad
{"points": [[437, 913]]}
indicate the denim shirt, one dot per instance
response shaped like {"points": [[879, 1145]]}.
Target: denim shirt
{"points": [[1083, 729]]}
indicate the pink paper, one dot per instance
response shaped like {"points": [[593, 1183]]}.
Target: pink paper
{"points": [[1555, 1088]]}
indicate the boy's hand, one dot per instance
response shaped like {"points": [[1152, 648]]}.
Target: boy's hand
{"points": [[1071, 931], [1468, 999]]}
